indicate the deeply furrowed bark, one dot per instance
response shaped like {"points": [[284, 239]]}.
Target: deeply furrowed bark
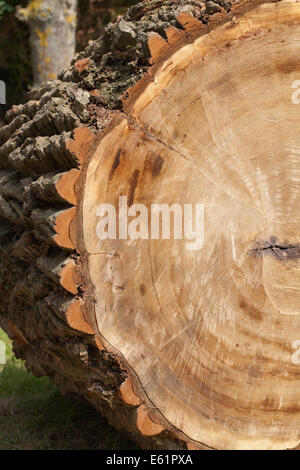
{"points": [[48, 302]]}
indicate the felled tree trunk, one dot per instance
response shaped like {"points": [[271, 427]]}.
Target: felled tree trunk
{"points": [[52, 25], [178, 103]]}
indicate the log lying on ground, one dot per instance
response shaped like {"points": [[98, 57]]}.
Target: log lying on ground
{"points": [[178, 103]]}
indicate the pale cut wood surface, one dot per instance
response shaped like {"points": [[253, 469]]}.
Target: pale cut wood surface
{"points": [[209, 334], [180, 101]]}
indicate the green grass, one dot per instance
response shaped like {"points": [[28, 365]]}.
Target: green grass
{"points": [[34, 414]]}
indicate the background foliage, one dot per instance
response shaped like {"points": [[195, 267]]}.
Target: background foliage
{"points": [[5, 7]]}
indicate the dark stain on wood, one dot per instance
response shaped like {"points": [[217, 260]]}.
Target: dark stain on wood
{"points": [[254, 372], [142, 289], [289, 66], [133, 184], [115, 164], [157, 165], [270, 404], [251, 311]]}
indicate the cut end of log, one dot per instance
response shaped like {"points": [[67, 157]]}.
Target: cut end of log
{"points": [[189, 22], [145, 424], [65, 229], [128, 394], [204, 330], [157, 46], [79, 144], [198, 313], [65, 186], [68, 277], [99, 343], [75, 317]]}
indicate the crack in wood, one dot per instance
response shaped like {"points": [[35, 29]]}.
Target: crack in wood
{"points": [[281, 252]]}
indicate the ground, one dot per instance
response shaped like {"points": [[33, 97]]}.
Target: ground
{"points": [[34, 414]]}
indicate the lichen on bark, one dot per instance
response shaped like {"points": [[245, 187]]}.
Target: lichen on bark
{"points": [[52, 27]]}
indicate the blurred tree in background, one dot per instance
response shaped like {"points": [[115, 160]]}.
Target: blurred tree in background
{"points": [[52, 25], [15, 55]]}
